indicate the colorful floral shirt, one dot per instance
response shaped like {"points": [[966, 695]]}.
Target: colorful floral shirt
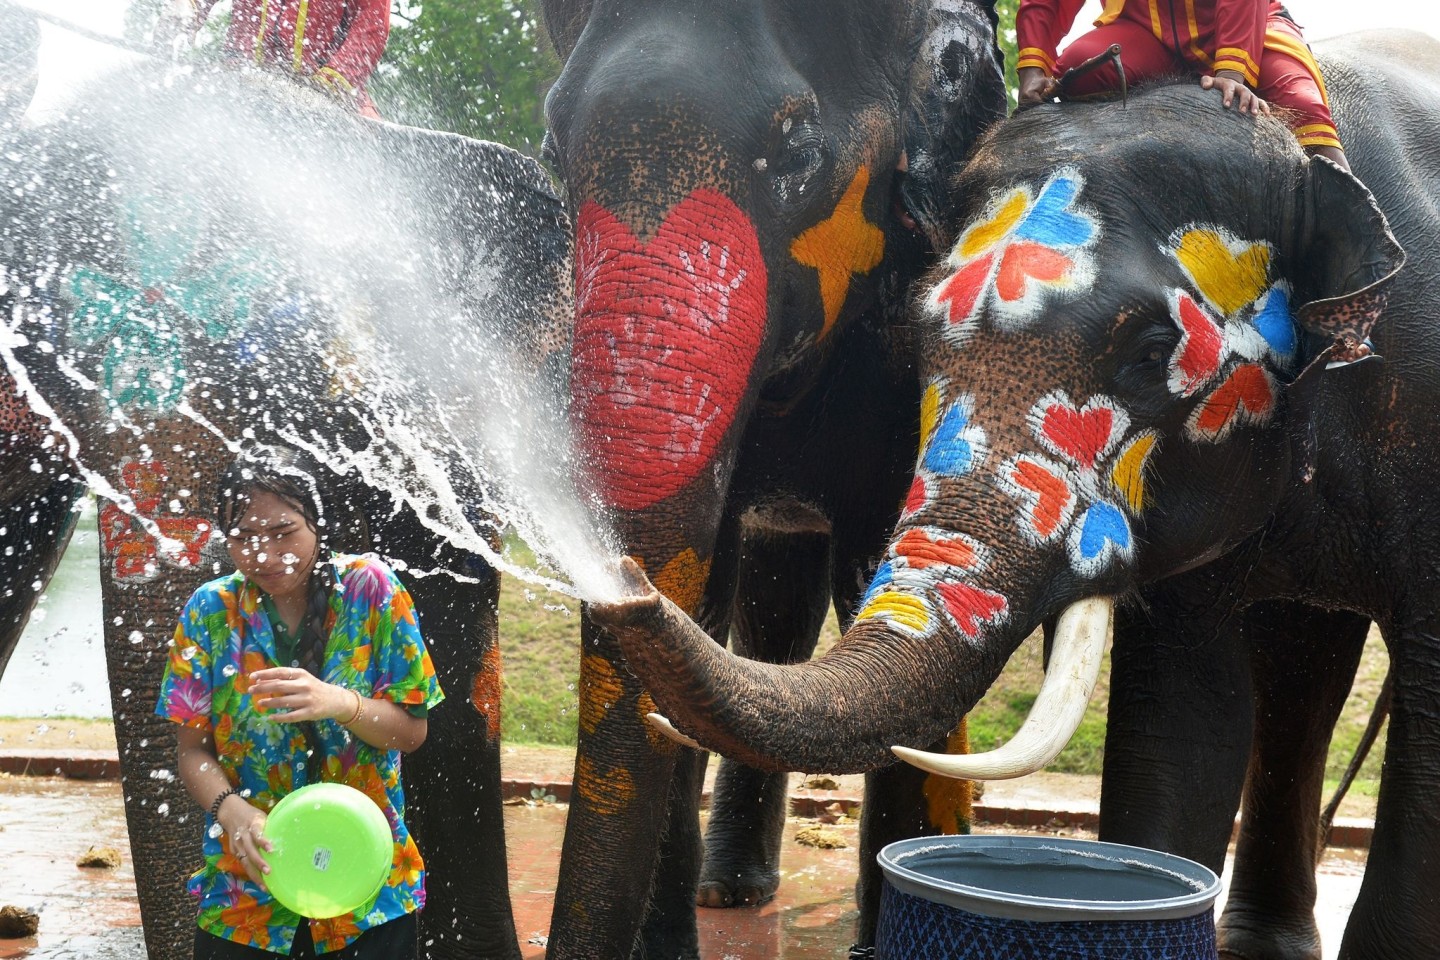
{"points": [[375, 648]]}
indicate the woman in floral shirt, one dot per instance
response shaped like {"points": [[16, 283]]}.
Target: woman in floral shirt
{"points": [[298, 667]]}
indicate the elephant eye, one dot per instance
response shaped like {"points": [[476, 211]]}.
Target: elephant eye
{"points": [[1156, 355]]}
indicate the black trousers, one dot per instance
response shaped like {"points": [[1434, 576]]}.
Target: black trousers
{"points": [[396, 939]]}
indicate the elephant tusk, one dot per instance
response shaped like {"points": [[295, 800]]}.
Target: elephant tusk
{"points": [[1074, 666], [666, 727]]}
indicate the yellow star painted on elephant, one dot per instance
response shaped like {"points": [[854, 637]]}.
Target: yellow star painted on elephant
{"points": [[1229, 272], [840, 247]]}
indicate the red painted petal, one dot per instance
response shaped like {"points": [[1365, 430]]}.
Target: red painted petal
{"points": [[971, 607]]}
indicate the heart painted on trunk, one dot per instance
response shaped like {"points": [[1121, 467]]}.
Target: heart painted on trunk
{"points": [[1102, 534], [1083, 435], [971, 607], [666, 334]]}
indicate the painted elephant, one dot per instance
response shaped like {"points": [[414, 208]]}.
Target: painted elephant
{"points": [[1131, 388], [745, 186], [183, 267]]}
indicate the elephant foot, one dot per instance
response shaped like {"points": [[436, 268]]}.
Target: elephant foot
{"points": [[736, 888], [1273, 941]]}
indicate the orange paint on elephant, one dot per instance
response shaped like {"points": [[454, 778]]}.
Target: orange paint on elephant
{"points": [[485, 691], [600, 689], [949, 803], [608, 794], [683, 580]]}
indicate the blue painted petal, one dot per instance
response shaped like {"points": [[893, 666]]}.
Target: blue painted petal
{"points": [[883, 578], [1051, 223], [1103, 521], [950, 452], [1276, 323]]}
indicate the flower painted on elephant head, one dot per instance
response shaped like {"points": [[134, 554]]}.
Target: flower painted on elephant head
{"points": [[1027, 247], [951, 445], [927, 573], [177, 287], [1236, 329], [1069, 492]]}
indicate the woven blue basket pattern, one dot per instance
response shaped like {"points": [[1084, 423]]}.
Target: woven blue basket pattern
{"points": [[911, 928]]}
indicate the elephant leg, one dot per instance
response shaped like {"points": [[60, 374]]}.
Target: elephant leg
{"points": [[669, 929], [618, 811], [902, 802], [1397, 914], [782, 598], [1177, 738], [142, 594], [452, 783], [36, 530], [1304, 664]]}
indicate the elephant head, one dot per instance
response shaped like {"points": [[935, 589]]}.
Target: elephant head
{"points": [[1121, 379], [735, 180]]}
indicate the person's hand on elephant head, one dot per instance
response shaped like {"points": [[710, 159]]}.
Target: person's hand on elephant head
{"points": [[1036, 87], [1233, 89]]}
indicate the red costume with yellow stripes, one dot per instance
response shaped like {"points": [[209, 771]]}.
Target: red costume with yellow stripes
{"points": [[1254, 38], [336, 43]]}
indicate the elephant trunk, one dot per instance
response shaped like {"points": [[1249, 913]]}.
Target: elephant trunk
{"points": [[879, 687]]}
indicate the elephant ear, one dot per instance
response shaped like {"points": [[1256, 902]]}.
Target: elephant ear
{"points": [[1347, 258], [957, 91], [564, 20]]}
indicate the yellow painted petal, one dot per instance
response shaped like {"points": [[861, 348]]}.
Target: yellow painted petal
{"points": [[901, 609], [929, 414], [1228, 279], [984, 235], [1128, 473]]}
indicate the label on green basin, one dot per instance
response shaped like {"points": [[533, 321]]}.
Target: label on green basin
{"points": [[321, 859]]}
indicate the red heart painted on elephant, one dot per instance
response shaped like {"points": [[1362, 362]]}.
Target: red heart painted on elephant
{"points": [[1247, 393], [1081, 435], [970, 606], [666, 334]]}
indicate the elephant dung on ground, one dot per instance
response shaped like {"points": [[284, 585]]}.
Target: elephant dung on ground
{"points": [[185, 269], [745, 184], [1129, 386]]}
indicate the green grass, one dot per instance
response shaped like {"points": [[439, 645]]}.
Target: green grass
{"points": [[541, 647]]}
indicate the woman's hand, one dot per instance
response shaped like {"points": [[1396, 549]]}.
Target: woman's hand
{"points": [[1232, 88], [244, 824], [301, 694]]}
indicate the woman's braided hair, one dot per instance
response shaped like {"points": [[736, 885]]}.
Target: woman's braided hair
{"points": [[303, 482]]}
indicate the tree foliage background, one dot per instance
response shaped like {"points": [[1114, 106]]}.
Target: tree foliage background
{"points": [[477, 67]]}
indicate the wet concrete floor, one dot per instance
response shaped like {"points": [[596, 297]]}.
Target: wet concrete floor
{"points": [[45, 824]]}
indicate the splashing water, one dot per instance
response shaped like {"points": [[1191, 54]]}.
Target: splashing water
{"points": [[253, 261]]}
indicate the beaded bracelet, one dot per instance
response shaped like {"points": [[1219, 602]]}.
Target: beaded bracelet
{"points": [[215, 807]]}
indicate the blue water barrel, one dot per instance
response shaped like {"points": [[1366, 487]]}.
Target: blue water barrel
{"points": [[1042, 898]]}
